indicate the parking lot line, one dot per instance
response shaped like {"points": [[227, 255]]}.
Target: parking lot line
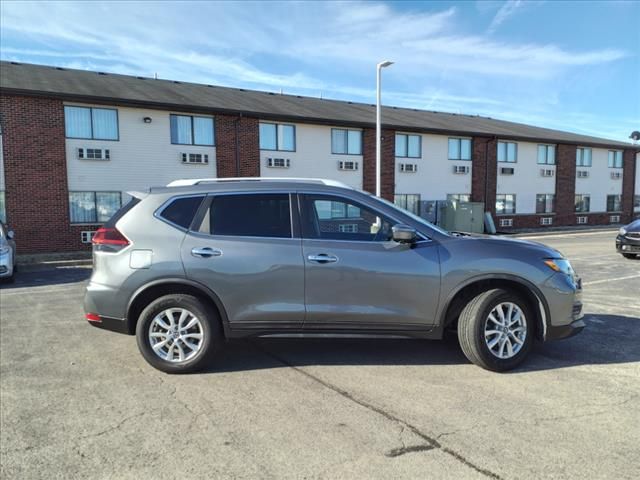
{"points": [[606, 280]]}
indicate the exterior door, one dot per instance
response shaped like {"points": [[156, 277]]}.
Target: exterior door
{"points": [[245, 251], [357, 276]]}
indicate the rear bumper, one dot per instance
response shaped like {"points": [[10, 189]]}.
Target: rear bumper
{"points": [[95, 299], [113, 324]]}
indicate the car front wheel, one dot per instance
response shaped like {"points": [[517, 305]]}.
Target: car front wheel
{"points": [[496, 329], [178, 333]]}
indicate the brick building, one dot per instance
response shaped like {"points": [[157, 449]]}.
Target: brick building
{"points": [[74, 142]]}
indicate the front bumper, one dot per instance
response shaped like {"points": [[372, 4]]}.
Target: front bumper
{"points": [[564, 300], [626, 244], [6, 265]]}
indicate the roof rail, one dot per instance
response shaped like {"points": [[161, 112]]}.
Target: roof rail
{"points": [[197, 181]]}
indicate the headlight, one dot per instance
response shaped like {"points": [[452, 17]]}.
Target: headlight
{"points": [[560, 265], [622, 231]]}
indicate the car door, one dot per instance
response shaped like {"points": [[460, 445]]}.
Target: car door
{"points": [[356, 276], [244, 249]]}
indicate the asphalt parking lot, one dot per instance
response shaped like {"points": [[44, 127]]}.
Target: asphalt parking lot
{"points": [[79, 402]]}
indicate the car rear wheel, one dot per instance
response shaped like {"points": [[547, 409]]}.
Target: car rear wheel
{"points": [[178, 333], [496, 329]]}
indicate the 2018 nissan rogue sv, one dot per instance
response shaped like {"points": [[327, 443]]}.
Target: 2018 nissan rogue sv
{"points": [[189, 265]]}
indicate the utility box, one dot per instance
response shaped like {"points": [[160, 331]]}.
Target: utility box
{"points": [[462, 217]]}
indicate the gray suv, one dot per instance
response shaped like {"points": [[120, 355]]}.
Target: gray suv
{"points": [[186, 266]]}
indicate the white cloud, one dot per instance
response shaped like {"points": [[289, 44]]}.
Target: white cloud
{"points": [[508, 9]]}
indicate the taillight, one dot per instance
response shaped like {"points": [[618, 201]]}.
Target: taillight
{"points": [[109, 240], [93, 317]]}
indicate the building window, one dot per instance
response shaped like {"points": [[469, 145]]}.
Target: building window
{"points": [[614, 203], [583, 157], [547, 154], [93, 207], [545, 203], [408, 201], [615, 159], [408, 146], [3, 208], [327, 210], [583, 203], [459, 149], [91, 123], [458, 197], [505, 204], [507, 152], [189, 130], [277, 136], [346, 142]]}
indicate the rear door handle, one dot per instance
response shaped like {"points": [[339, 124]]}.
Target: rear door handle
{"points": [[206, 252], [322, 258]]}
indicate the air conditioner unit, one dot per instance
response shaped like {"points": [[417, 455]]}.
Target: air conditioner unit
{"points": [[93, 153], [460, 169], [546, 221], [546, 172], [506, 222], [582, 220], [409, 167], [278, 162], [87, 235], [614, 219], [195, 158], [616, 175], [507, 171], [582, 173], [347, 165]]}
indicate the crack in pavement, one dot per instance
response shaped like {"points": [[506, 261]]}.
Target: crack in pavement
{"points": [[431, 443], [396, 452]]}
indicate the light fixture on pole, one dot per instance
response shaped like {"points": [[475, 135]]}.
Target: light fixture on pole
{"points": [[379, 68]]}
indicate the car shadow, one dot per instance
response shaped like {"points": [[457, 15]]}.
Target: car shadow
{"points": [[608, 339], [47, 276]]}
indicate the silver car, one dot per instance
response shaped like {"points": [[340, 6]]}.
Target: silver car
{"points": [[7, 253], [189, 265]]}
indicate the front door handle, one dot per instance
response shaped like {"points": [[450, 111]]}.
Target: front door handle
{"points": [[322, 258], [206, 252]]}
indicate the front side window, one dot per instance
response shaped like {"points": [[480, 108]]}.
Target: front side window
{"points": [[351, 221], [615, 159], [249, 215], [582, 203], [505, 204], [507, 152], [190, 130], [583, 157], [346, 142], [408, 146], [93, 207], [547, 154], [458, 197], [91, 123], [459, 149], [614, 203], [277, 136], [408, 201], [545, 203]]}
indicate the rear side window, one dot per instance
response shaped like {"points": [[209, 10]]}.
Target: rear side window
{"points": [[182, 210], [260, 215]]}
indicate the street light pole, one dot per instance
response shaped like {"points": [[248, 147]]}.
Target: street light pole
{"points": [[379, 68]]}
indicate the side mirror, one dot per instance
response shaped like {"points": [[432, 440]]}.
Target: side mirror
{"points": [[404, 233], [11, 234]]}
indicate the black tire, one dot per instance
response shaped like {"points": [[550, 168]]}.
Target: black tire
{"points": [[212, 336], [471, 326], [629, 255]]}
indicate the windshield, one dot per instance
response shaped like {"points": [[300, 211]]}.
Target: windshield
{"points": [[412, 215]]}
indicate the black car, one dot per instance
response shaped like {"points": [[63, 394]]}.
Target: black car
{"points": [[628, 240]]}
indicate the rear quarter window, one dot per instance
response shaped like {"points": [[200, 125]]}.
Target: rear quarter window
{"points": [[182, 210]]}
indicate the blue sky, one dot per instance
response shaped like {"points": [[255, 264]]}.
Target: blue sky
{"points": [[568, 65]]}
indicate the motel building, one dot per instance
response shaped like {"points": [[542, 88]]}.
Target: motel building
{"points": [[74, 142]]}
